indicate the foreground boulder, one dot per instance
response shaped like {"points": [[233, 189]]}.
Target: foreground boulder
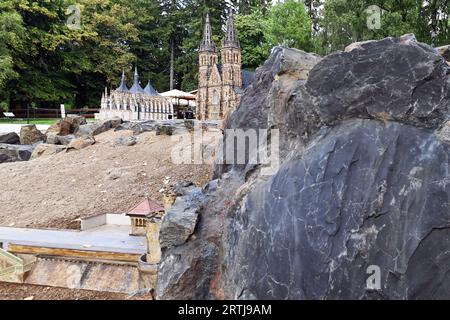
{"points": [[14, 152], [9, 138], [29, 134], [362, 184]]}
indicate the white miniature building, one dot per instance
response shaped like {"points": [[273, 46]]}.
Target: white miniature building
{"points": [[135, 103]]}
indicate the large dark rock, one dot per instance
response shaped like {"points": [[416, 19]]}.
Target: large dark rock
{"points": [[14, 152], [179, 223], [9, 138], [363, 181], [364, 193], [392, 79]]}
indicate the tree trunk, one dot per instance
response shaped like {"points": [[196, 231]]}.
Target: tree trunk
{"points": [[172, 54]]}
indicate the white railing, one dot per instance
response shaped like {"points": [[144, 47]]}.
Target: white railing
{"points": [[16, 264]]}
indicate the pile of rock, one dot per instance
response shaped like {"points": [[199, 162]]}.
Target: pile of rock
{"points": [[20, 148], [71, 133]]}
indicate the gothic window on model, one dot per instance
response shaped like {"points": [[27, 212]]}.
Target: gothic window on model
{"points": [[215, 98]]}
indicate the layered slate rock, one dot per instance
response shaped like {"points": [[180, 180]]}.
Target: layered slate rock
{"points": [[363, 181], [364, 193], [179, 223], [98, 127], [391, 79], [14, 152], [9, 138]]}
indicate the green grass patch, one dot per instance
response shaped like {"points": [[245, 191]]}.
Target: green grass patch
{"points": [[32, 121]]}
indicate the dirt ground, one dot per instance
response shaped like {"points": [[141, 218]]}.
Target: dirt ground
{"points": [[10, 291], [53, 192]]}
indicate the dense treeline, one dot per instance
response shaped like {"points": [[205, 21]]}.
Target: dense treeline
{"points": [[48, 56]]}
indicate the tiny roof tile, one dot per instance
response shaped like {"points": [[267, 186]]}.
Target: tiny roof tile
{"points": [[145, 208]]}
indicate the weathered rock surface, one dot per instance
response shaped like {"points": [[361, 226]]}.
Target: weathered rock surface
{"points": [[9, 138], [445, 52], [63, 128], [125, 141], [29, 135], [95, 128], [81, 143], [179, 223], [363, 180], [57, 139], [413, 90], [45, 150], [166, 127], [14, 152]]}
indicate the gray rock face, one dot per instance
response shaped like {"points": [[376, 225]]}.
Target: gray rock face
{"points": [[363, 193], [95, 128], [14, 152], [179, 223], [165, 127], [9, 138], [392, 79], [59, 140], [125, 141], [445, 52], [364, 181]]}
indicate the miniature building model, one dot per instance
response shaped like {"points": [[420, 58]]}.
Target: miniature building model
{"points": [[141, 213], [220, 86], [136, 103]]}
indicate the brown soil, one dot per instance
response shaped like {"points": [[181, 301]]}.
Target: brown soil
{"points": [[10, 291], [53, 192]]}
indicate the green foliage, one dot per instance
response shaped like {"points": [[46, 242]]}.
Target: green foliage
{"points": [[288, 24], [251, 31], [345, 22]]}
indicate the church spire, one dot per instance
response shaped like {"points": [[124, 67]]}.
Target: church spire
{"points": [[123, 85], [207, 43], [231, 40], [136, 88]]}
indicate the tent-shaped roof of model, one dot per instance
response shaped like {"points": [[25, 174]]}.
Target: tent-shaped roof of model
{"points": [[149, 90], [123, 85], [136, 88], [146, 207]]}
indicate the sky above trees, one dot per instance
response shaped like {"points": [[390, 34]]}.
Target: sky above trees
{"points": [[67, 51]]}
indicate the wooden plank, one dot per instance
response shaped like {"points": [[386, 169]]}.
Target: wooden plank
{"points": [[114, 256]]}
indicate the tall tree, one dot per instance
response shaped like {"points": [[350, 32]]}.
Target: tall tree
{"points": [[288, 24], [11, 35], [345, 22], [252, 36]]}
